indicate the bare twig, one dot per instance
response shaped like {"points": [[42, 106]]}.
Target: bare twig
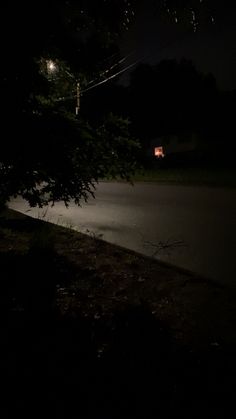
{"points": [[164, 246]]}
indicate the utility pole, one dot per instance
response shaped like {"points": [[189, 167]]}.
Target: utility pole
{"points": [[77, 98]]}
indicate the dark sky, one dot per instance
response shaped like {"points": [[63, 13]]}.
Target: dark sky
{"points": [[155, 36]]}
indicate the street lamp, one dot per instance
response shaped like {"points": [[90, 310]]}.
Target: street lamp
{"points": [[51, 66]]}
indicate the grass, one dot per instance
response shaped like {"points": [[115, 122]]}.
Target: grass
{"points": [[188, 176], [89, 329], [194, 176]]}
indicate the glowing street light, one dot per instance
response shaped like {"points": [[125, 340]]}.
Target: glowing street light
{"points": [[51, 66]]}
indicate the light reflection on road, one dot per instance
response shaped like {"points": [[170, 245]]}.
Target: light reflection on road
{"points": [[191, 227]]}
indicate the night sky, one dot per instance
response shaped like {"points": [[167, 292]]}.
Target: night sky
{"points": [[206, 35]]}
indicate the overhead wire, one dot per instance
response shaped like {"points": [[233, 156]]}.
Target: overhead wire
{"points": [[86, 89], [110, 77], [110, 68], [132, 64]]}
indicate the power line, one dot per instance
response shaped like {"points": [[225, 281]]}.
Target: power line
{"points": [[102, 81], [169, 43], [111, 77], [124, 69], [111, 68]]}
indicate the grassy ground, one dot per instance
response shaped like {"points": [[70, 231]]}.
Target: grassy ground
{"points": [[188, 176], [197, 176], [92, 330]]}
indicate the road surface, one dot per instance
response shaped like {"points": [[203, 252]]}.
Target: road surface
{"points": [[191, 227]]}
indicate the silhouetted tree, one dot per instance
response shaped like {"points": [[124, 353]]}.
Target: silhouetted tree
{"points": [[170, 98], [47, 154]]}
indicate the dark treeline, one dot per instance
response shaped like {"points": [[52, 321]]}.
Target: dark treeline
{"points": [[171, 98]]}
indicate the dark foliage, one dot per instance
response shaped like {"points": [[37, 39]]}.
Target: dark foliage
{"points": [[55, 363], [46, 153]]}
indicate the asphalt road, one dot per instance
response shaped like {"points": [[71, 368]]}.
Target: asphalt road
{"points": [[191, 227]]}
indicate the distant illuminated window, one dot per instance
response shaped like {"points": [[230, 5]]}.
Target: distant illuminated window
{"points": [[159, 152]]}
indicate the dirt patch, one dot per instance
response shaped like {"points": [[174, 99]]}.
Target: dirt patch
{"points": [[113, 278]]}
